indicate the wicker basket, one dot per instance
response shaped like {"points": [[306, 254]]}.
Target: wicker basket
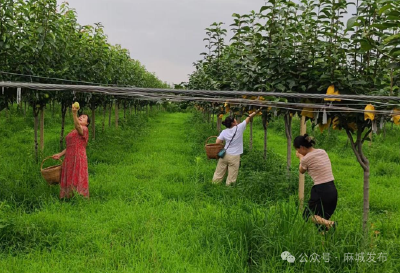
{"points": [[51, 174], [212, 149]]}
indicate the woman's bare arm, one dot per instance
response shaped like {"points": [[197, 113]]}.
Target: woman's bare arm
{"points": [[59, 155], [252, 115], [78, 127], [301, 170], [300, 156]]}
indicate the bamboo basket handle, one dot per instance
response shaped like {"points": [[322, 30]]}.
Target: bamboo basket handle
{"points": [[41, 166], [209, 138]]}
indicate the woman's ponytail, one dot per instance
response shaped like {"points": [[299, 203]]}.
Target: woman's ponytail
{"points": [[309, 140], [228, 122], [305, 141]]}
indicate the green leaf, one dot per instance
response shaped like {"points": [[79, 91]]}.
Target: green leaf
{"points": [[264, 8], [280, 87], [394, 42], [351, 22], [385, 8], [393, 18], [395, 52], [365, 44], [379, 26], [291, 83], [394, 13], [390, 38], [327, 13]]}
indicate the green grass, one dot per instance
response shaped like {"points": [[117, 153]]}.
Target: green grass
{"points": [[152, 207]]}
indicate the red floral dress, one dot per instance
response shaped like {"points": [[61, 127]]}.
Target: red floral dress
{"points": [[74, 174]]}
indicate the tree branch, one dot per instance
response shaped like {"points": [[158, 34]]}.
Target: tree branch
{"points": [[366, 135], [354, 148]]}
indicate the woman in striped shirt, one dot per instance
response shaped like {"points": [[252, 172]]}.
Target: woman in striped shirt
{"points": [[323, 199]]}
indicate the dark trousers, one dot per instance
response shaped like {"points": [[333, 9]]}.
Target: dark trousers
{"points": [[323, 201]]}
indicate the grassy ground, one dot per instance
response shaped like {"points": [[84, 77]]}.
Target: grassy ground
{"points": [[153, 209]]}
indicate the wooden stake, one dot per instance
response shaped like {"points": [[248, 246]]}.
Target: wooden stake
{"points": [[42, 128], [288, 132], [370, 137], [251, 134], [104, 115], [265, 126], [109, 114], [116, 114], [219, 122], [303, 130], [35, 115]]}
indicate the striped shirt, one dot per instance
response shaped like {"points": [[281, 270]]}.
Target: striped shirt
{"points": [[318, 166]]}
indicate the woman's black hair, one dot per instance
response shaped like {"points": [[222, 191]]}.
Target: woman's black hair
{"points": [[228, 122], [305, 141]]}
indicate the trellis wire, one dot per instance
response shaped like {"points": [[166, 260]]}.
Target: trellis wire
{"points": [[123, 90], [160, 94]]}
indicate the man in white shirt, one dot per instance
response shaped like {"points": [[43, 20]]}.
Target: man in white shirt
{"points": [[233, 137]]}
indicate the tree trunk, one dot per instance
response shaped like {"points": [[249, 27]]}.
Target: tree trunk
{"points": [[288, 131], [124, 110], [251, 134], [212, 120], [93, 123], [42, 129], [384, 131], [370, 137], [63, 113], [366, 198], [35, 115], [109, 114], [219, 122], [364, 163], [104, 115], [116, 114], [265, 126]]}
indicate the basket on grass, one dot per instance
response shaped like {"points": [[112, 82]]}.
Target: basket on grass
{"points": [[212, 149], [51, 174]]}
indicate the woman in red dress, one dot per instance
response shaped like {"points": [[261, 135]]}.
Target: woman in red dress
{"points": [[74, 174]]}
